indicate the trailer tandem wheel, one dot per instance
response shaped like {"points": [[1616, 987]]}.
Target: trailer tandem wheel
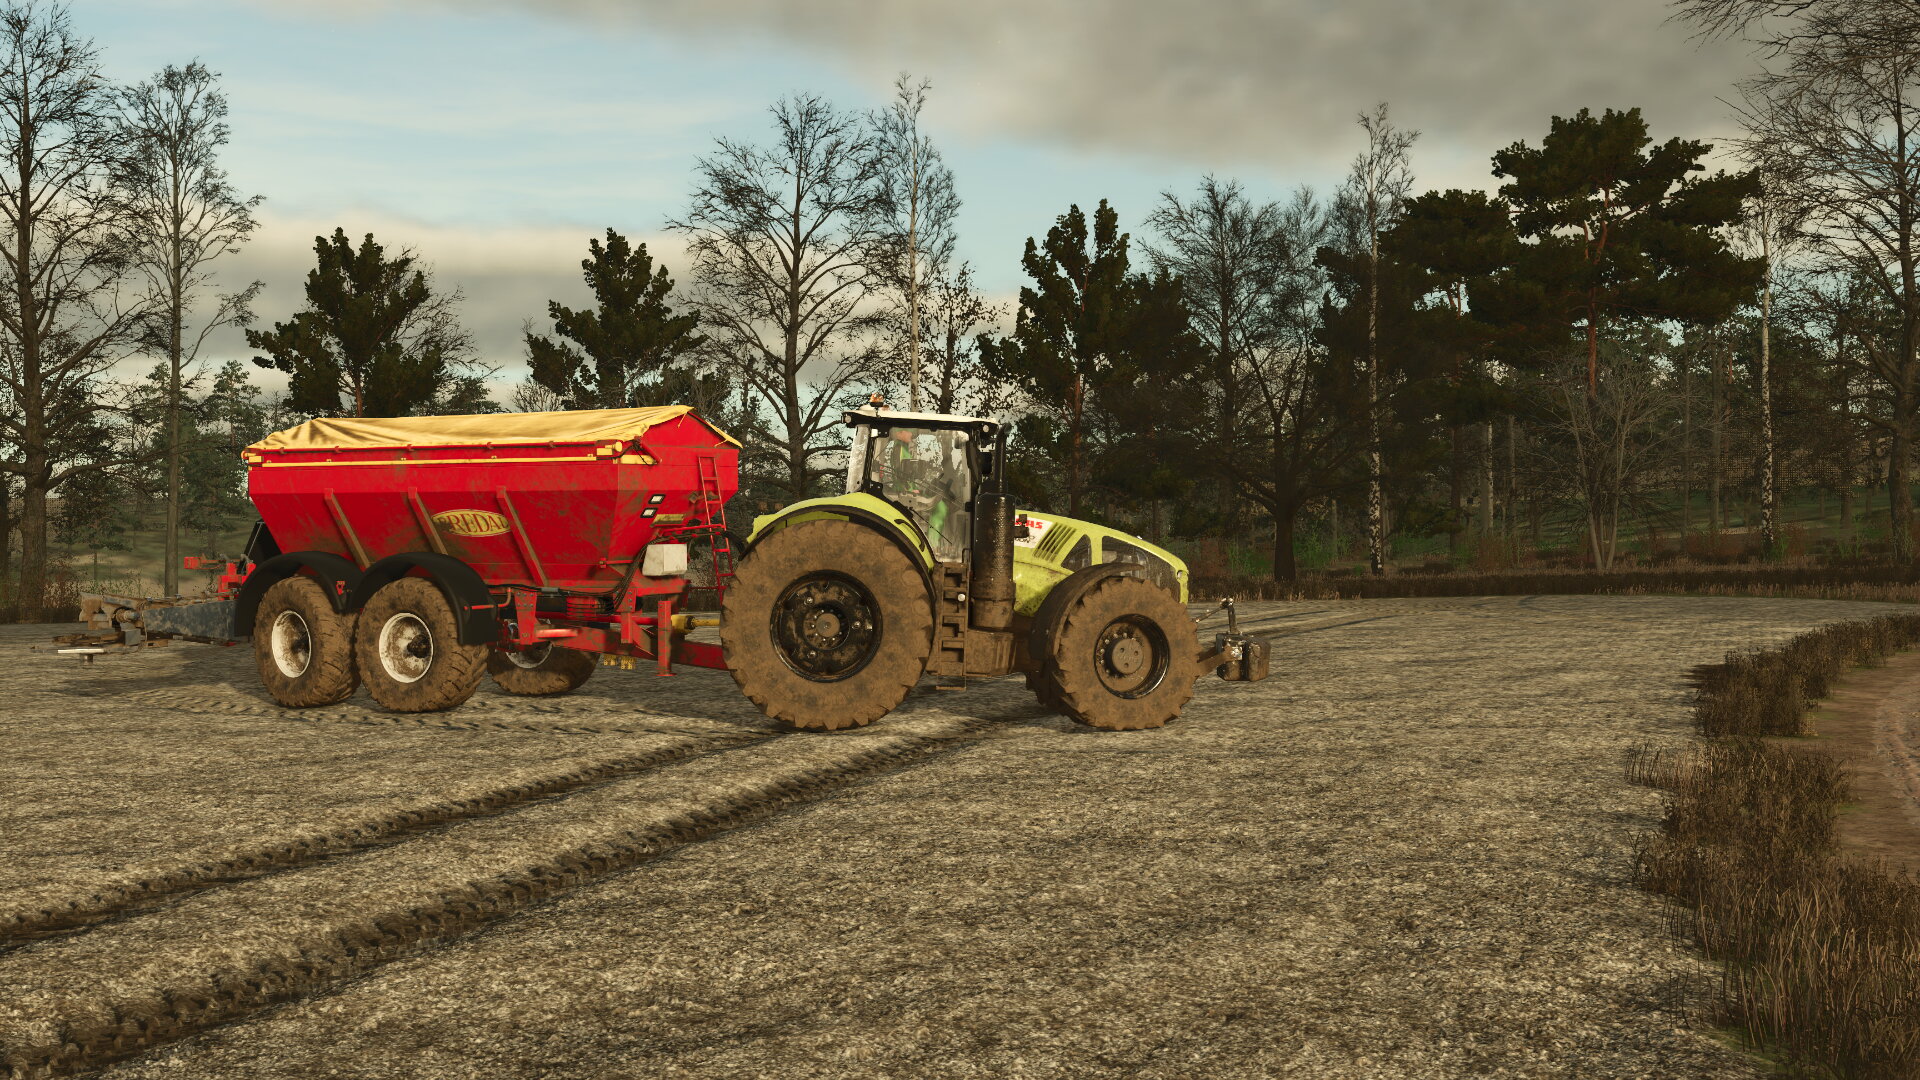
{"points": [[1122, 659], [303, 648], [826, 625], [408, 647], [541, 671]]}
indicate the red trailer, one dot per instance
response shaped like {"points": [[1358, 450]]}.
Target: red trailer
{"points": [[417, 553]]}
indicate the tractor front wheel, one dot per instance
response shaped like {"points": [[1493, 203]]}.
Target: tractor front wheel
{"points": [[826, 625], [1122, 659], [408, 647], [542, 671]]}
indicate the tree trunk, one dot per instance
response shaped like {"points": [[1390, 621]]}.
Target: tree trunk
{"points": [[1334, 518], [1284, 568], [1714, 522], [1766, 405], [1077, 404], [1456, 525], [1513, 489], [1686, 451], [170, 572], [33, 536], [913, 278], [1486, 482], [1376, 511], [1899, 494], [6, 540]]}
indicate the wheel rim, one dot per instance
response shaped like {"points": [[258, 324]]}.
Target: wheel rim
{"points": [[292, 644], [826, 627], [1131, 656], [406, 647], [530, 659]]}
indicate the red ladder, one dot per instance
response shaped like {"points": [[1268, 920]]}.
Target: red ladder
{"points": [[713, 511]]}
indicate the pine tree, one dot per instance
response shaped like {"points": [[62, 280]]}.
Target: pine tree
{"points": [[375, 338], [616, 355]]}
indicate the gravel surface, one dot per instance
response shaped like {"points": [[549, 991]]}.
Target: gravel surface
{"points": [[1407, 854]]}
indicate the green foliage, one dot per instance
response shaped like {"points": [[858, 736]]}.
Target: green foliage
{"points": [[374, 340], [95, 513], [620, 354], [1099, 354], [1613, 229], [1417, 355]]}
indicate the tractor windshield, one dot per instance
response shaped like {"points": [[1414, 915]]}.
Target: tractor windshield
{"points": [[929, 473]]}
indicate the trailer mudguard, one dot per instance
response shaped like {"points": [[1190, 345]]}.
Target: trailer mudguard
{"points": [[1053, 609], [473, 603], [335, 573]]}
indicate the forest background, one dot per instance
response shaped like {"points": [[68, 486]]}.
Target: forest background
{"points": [[1621, 355]]}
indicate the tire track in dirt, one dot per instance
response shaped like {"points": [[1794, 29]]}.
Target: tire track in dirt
{"points": [[284, 935], [94, 904], [471, 717]]}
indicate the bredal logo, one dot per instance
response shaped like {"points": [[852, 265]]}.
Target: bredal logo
{"points": [[471, 522]]}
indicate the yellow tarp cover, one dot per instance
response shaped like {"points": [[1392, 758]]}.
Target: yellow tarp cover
{"points": [[576, 426]]}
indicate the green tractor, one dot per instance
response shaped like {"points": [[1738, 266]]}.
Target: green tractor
{"points": [[839, 605]]}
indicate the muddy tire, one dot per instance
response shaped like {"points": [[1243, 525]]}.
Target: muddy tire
{"points": [[541, 671], [303, 648], [1046, 687], [1123, 657], [407, 645], [826, 625]]}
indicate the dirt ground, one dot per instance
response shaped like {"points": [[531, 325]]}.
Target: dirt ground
{"points": [[1407, 854]]}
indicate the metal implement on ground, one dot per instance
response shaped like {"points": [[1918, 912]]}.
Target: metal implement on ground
{"points": [[416, 555]]}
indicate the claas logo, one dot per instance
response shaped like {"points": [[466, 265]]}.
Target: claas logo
{"points": [[471, 522]]}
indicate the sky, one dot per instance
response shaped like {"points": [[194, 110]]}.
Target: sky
{"points": [[495, 137]]}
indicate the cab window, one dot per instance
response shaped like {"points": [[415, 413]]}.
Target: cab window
{"points": [[926, 473]]}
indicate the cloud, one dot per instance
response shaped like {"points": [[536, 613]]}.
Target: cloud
{"points": [[1255, 82]]}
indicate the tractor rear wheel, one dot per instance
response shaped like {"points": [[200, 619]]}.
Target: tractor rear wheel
{"points": [[541, 671], [408, 647], [826, 625], [1123, 657], [303, 648]]}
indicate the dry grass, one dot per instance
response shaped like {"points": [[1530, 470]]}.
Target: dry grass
{"points": [[1805, 580], [1822, 953], [1396, 858]]}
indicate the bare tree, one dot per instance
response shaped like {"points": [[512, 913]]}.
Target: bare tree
{"points": [[1838, 127], [1299, 426], [1769, 232], [65, 317], [1607, 439], [186, 215], [1376, 190], [956, 313], [782, 239], [917, 206], [1234, 258]]}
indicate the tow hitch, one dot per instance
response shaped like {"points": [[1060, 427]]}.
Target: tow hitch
{"points": [[1237, 657]]}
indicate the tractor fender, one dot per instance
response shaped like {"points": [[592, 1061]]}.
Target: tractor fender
{"points": [[337, 576], [859, 514], [473, 604], [1060, 599]]}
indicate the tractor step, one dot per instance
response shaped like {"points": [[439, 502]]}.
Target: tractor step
{"points": [[948, 664]]}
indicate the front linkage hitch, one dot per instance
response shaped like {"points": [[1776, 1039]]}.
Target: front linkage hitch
{"points": [[1237, 657]]}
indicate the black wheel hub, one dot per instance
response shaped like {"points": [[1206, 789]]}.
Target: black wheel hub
{"points": [[826, 626], [1131, 656]]}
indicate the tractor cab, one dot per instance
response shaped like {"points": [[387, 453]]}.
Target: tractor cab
{"points": [[930, 465]]}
